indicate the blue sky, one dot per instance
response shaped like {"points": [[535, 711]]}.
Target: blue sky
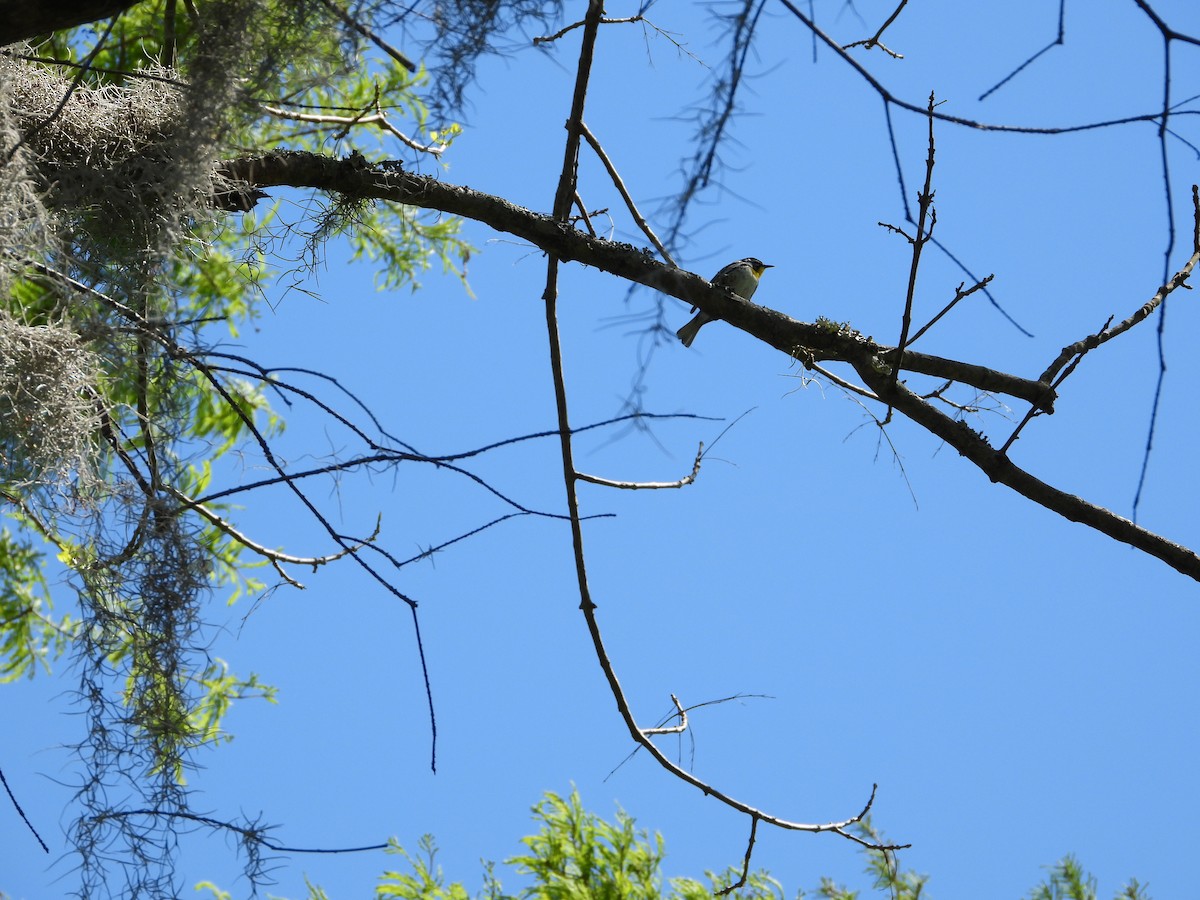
{"points": [[1019, 686]]}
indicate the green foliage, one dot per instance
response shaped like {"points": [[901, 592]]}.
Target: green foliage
{"points": [[296, 87], [220, 280], [404, 243], [1068, 881], [885, 868], [886, 875], [220, 689], [224, 417], [576, 855], [29, 636], [216, 892], [759, 886], [425, 882]]}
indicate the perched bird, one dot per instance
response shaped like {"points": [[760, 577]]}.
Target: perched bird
{"points": [[240, 199], [741, 277]]}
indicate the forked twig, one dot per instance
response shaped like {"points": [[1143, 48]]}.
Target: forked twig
{"points": [[564, 193], [378, 118], [874, 41], [647, 485], [925, 213], [672, 729], [1179, 280], [959, 294]]}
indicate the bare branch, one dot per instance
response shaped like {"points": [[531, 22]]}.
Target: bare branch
{"points": [[918, 241], [874, 41], [178, 352], [647, 485], [959, 294], [745, 861], [548, 39], [562, 206], [1058, 41], [370, 35], [673, 729], [24, 818], [256, 835], [638, 218], [1166, 30], [891, 99], [275, 556], [842, 382], [379, 119], [1179, 280], [388, 181], [584, 215], [999, 468]]}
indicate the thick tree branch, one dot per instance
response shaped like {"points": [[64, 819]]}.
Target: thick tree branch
{"points": [[22, 19], [821, 341], [999, 468]]}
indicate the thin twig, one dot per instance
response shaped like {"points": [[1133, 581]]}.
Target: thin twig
{"points": [[257, 835], [583, 214], [874, 41], [25, 818], [841, 382], [370, 35], [672, 729], [647, 485], [1001, 469], [379, 118], [275, 556], [207, 372], [1036, 411], [1057, 42], [745, 861], [638, 218], [959, 294], [562, 31], [1179, 280], [925, 212]]}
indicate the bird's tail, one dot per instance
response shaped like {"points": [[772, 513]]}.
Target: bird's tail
{"points": [[688, 332]]}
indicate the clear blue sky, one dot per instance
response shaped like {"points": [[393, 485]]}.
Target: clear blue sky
{"points": [[1020, 687]]}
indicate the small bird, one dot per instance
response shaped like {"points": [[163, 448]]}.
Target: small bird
{"points": [[741, 277], [241, 198]]}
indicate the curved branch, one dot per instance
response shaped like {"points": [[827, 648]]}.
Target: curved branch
{"points": [[277, 557], [890, 98], [823, 340], [249, 833], [571, 477], [147, 329]]}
